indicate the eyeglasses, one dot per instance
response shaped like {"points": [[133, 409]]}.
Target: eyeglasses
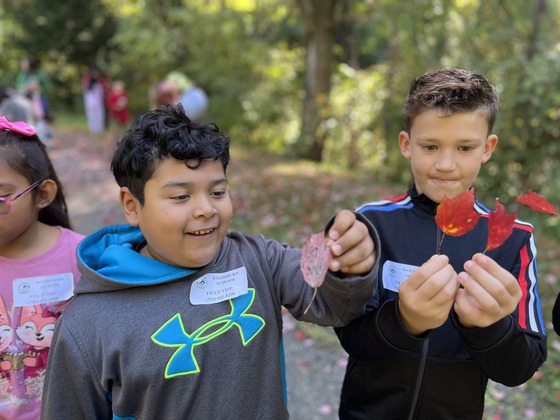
{"points": [[6, 202]]}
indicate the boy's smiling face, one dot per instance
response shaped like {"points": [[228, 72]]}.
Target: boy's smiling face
{"points": [[186, 212], [446, 152]]}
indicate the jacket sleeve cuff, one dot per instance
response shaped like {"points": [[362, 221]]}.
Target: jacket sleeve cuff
{"points": [[482, 338], [393, 329]]}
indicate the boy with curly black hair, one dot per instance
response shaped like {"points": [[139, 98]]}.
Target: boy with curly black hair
{"points": [[175, 316]]}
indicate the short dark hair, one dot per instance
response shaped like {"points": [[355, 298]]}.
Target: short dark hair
{"points": [[450, 91], [161, 133]]}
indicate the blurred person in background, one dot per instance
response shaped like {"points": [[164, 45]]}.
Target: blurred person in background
{"points": [[117, 104], [95, 84], [14, 106], [195, 102], [176, 88], [34, 83]]}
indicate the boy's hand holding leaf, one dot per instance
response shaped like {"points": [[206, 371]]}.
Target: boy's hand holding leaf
{"points": [[489, 293], [427, 295], [346, 247], [351, 245]]}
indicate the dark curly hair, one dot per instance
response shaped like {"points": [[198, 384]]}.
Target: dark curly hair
{"points": [[162, 133], [450, 91]]}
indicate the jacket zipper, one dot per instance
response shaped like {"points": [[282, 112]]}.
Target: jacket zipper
{"points": [[424, 351], [420, 377]]}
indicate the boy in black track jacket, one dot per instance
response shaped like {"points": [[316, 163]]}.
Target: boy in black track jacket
{"points": [[444, 319]]}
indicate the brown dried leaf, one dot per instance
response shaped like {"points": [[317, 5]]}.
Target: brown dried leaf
{"points": [[315, 259]]}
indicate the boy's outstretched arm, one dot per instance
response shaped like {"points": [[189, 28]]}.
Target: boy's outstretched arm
{"points": [[351, 245], [348, 284]]}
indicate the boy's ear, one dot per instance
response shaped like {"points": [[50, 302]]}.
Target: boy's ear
{"points": [[46, 193], [491, 143], [404, 143], [130, 206]]}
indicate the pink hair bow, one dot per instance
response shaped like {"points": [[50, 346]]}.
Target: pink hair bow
{"points": [[18, 127]]}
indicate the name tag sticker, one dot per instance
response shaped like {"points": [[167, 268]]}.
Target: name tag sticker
{"points": [[395, 273], [218, 287], [43, 289]]}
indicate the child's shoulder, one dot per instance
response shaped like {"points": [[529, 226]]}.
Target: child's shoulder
{"points": [[249, 240], [403, 201], [69, 237], [257, 245], [71, 234]]}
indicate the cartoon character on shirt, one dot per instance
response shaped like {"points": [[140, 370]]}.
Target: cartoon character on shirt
{"points": [[6, 338], [35, 329]]}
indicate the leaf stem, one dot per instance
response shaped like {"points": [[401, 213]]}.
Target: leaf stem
{"points": [[440, 244], [312, 299]]}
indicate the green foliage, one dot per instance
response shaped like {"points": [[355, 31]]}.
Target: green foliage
{"points": [[528, 127], [216, 47], [271, 111], [65, 41], [56, 27]]}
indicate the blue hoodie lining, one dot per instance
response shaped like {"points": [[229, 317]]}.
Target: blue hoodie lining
{"points": [[110, 253]]}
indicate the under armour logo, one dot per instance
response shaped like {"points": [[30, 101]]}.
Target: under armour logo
{"points": [[172, 334]]}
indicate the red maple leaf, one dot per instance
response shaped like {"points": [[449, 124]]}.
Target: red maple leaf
{"points": [[500, 226], [536, 202], [456, 216]]}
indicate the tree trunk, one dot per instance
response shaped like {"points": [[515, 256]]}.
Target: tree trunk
{"points": [[540, 10], [319, 23]]}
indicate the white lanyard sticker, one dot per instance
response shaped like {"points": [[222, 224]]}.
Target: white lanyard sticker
{"points": [[218, 287], [395, 273], [43, 289]]}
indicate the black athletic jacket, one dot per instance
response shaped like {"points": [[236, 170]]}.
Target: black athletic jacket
{"points": [[556, 315], [443, 374]]}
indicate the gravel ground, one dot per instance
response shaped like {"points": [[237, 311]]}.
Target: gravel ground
{"points": [[315, 363], [314, 371]]}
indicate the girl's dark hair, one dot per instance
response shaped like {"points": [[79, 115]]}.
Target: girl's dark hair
{"points": [[28, 156]]}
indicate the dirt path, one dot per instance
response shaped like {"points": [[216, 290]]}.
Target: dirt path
{"points": [[314, 362]]}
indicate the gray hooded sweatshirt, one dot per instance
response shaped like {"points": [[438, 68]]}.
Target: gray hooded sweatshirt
{"points": [[146, 340]]}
